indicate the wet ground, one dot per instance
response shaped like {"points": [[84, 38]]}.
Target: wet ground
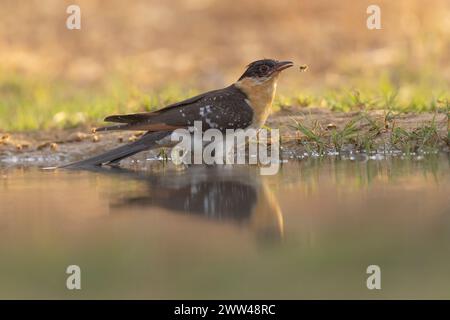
{"points": [[56, 147], [226, 232]]}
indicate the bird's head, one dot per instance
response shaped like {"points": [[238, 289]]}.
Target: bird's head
{"points": [[264, 70], [259, 83]]}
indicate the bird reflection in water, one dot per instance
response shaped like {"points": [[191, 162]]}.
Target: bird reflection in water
{"points": [[231, 195]]}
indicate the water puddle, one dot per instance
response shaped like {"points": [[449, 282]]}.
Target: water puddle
{"points": [[226, 232]]}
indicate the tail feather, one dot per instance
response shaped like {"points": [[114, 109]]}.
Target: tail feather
{"points": [[111, 128], [130, 118], [146, 142]]}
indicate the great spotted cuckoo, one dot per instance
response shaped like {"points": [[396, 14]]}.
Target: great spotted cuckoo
{"points": [[242, 105]]}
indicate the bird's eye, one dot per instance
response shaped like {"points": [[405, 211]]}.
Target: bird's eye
{"points": [[263, 69]]}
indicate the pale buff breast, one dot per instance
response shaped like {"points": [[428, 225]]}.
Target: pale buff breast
{"points": [[260, 95]]}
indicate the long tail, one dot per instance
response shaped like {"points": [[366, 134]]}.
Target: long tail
{"points": [[146, 142]]}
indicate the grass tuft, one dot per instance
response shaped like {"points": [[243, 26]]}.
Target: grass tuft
{"points": [[366, 134]]}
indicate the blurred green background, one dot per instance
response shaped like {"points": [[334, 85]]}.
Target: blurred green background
{"points": [[140, 55]]}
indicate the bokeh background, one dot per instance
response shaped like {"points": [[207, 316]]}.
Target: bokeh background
{"points": [[138, 54], [339, 214]]}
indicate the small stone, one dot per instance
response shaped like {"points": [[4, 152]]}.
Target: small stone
{"points": [[18, 147], [331, 126], [120, 139], [77, 137], [43, 145], [53, 146]]}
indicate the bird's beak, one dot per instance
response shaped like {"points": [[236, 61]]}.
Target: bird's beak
{"points": [[281, 65]]}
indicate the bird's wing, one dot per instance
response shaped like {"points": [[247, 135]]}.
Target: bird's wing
{"points": [[136, 117], [222, 109]]}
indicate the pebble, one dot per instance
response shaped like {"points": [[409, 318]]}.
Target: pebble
{"points": [[43, 145], [77, 136]]}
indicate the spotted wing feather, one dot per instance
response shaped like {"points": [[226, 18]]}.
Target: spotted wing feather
{"points": [[221, 109]]}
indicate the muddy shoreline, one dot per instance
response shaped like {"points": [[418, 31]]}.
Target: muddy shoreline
{"points": [[56, 147]]}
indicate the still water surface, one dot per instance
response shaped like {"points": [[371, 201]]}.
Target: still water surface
{"points": [[213, 232]]}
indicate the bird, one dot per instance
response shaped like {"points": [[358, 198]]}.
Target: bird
{"points": [[242, 105]]}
